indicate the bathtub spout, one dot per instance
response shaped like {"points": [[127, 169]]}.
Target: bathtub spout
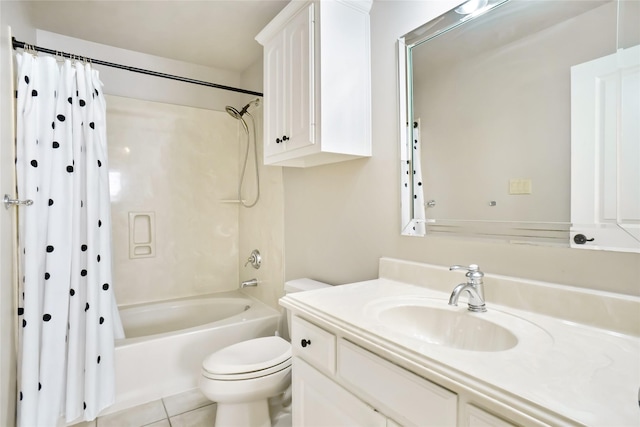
{"points": [[252, 282]]}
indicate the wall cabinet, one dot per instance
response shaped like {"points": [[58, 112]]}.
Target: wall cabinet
{"points": [[338, 383], [288, 65], [317, 88]]}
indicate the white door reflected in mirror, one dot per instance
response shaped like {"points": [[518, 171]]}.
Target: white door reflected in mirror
{"points": [[605, 152]]}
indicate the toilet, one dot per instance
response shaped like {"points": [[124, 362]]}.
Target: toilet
{"points": [[242, 377]]}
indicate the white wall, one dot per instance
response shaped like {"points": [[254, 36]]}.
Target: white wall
{"points": [[179, 166], [262, 226], [339, 219]]}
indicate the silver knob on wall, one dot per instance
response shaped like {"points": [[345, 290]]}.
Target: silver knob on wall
{"points": [[254, 259]]}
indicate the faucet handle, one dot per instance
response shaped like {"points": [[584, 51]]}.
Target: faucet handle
{"points": [[472, 267], [473, 270], [254, 259]]}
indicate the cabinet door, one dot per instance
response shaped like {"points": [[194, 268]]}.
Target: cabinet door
{"points": [[275, 96], [402, 395], [313, 344], [299, 42], [481, 418], [319, 402]]}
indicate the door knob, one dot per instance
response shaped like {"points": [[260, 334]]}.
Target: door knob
{"points": [[581, 239]]}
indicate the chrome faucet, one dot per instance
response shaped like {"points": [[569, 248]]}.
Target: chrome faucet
{"points": [[250, 282], [473, 286]]}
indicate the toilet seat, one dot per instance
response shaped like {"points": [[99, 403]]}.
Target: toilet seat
{"points": [[248, 375], [248, 359]]}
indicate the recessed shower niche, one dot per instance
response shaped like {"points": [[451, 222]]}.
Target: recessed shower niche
{"points": [[142, 234]]}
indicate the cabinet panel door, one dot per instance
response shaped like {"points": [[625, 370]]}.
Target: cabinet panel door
{"points": [[313, 344], [319, 402], [274, 96], [299, 47], [481, 418], [402, 395]]}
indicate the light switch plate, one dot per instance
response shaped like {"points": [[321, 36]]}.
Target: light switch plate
{"points": [[520, 186]]}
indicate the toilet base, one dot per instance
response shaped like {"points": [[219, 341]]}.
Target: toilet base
{"points": [[247, 414]]}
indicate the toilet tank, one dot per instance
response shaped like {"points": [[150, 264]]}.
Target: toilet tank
{"points": [[291, 286], [300, 285]]}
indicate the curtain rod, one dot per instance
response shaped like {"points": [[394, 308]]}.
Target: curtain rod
{"points": [[18, 44]]}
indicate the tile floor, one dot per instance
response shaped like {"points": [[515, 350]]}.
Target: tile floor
{"points": [[189, 409]]}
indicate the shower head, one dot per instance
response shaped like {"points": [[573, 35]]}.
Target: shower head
{"points": [[234, 113], [238, 114]]}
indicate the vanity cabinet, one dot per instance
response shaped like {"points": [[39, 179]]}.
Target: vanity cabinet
{"points": [[318, 399], [393, 346], [317, 90], [338, 383]]}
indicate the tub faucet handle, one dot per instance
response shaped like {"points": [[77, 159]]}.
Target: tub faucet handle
{"points": [[254, 259]]}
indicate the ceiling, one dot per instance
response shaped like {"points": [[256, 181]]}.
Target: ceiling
{"points": [[215, 33]]}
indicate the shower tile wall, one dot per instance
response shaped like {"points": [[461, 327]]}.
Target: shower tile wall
{"points": [[262, 226], [180, 163]]}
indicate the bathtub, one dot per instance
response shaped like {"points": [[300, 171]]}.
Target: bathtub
{"points": [[167, 341]]}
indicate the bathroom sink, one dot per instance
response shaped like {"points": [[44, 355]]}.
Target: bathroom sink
{"points": [[432, 321], [452, 328]]}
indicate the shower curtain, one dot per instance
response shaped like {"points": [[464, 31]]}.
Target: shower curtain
{"points": [[418, 189], [412, 188], [67, 316]]}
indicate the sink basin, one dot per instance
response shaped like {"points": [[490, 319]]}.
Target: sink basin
{"points": [[453, 328], [419, 320]]}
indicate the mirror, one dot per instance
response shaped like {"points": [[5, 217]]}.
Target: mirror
{"points": [[486, 114]]}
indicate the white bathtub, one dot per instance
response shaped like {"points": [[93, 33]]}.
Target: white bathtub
{"points": [[167, 341]]}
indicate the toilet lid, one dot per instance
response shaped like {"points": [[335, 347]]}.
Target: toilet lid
{"points": [[281, 367], [248, 356]]}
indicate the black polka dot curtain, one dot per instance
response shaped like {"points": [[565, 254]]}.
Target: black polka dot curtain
{"points": [[412, 186], [67, 314]]}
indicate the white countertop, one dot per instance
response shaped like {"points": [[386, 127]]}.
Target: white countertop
{"points": [[583, 374]]}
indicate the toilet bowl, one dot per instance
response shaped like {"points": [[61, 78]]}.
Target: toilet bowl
{"points": [[242, 377]]}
